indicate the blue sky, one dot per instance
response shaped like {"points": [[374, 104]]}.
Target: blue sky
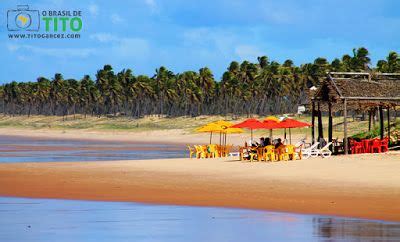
{"points": [[187, 35]]}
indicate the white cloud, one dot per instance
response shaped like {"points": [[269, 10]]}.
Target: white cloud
{"points": [[132, 47], [247, 52], [124, 47], [219, 41], [104, 37], [115, 19], [151, 3], [93, 9]]}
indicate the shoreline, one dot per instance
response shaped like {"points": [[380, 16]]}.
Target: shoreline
{"points": [[172, 136], [361, 186]]}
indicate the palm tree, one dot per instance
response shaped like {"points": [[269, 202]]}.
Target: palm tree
{"points": [[162, 76], [57, 93], [42, 94], [263, 87], [85, 88]]}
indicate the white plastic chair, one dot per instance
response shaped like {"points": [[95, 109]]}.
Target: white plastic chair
{"points": [[324, 151], [311, 151]]}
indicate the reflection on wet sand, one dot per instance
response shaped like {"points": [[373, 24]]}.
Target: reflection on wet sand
{"points": [[48, 220], [344, 228], [26, 149]]}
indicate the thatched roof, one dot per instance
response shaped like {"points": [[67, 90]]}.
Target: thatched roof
{"points": [[361, 91], [366, 88]]}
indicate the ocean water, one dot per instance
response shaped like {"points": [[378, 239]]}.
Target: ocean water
{"points": [[49, 220], [24, 149]]}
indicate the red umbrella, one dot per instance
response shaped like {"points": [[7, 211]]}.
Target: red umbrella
{"points": [[271, 124], [250, 124], [292, 123]]}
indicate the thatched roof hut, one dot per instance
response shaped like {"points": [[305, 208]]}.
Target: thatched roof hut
{"points": [[360, 91], [343, 91]]}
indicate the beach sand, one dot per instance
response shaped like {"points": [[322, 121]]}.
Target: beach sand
{"points": [[364, 186]]}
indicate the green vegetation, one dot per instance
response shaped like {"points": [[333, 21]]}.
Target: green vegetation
{"points": [[265, 87], [375, 131]]}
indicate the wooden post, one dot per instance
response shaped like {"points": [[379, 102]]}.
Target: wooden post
{"points": [[330, 124], [313, 123], [345, 141], [374, 117], [369, 120], [381, 126], [320, 127], [388, 120]]}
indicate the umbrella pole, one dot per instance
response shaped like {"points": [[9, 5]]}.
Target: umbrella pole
{"points": [[270, 134], [225, 139], [210, 137], [290, 136], [220, 141], [251, 137], [284, 137]]}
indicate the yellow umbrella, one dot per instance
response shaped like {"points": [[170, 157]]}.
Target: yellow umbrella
{"points": [[220, 126], [226, 129], [272, 118]]}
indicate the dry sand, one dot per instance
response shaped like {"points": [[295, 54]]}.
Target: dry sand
{"points": [[366, 186]]}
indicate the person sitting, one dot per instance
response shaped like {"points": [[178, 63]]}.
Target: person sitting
{"points": [[278, 143], [262, 142], [267, 142]]}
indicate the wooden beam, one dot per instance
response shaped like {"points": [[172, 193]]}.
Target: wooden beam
{"points": [[330, 124], [381, 126], [320, 127], [345, 141], [313, 123], [373, 98], [387, 74], [336, 87], [350, 73]]}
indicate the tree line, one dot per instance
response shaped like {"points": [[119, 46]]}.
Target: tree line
{"points": [[264, 87]]}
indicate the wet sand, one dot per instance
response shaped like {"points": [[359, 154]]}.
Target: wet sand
{"points": [[364, 186], [170, 136]]}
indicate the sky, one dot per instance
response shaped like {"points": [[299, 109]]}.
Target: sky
{"points": [[187, 35]]}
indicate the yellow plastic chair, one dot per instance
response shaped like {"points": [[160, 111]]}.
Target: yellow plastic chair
{"points": [[205, 151], [252, 153], [242, 151], [282, 153], [192, 151], [219, 150], [212, 151], [260, 153], [269, 153], [291, 152], [199, 152]]}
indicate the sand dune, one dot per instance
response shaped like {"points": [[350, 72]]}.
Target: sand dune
{"points": [[366, 186]]}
